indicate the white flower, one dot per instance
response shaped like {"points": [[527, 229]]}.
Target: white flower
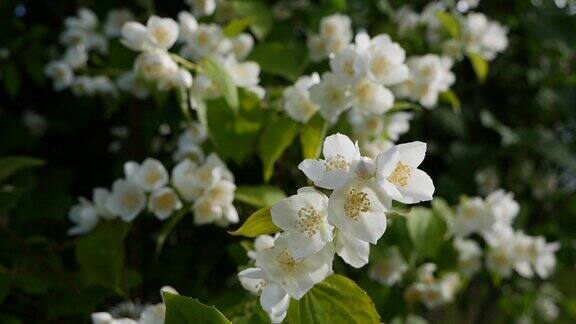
{"points": [[472, 216], [150, 175], [389, 269], [339, 156], [106, 318], [295, 276], [304, 216], [273, 298], [187, 25], [297, 102], [61, 74], [182, 78], [183, 179], [132, 84], [127, 200], [397, 124], [399, 176], [135, 36], [522, 246], [469, 256], [544, 259], [385, 61], [100, 196], [406, 19], [156, 65], [484, 37], [163, 31], [163, 202], [358, 209], [242, 45], [336, 27], [316, 47], [84, 216], [244, 74], [500, 258], [215, 205], [76, 56], [204, 41], [115, 19], [331, 95], [348, 66], [202, 8], [261, 243], [371, 98], [502, 206], [86, 19]]}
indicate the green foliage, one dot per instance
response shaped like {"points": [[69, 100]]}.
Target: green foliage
{"points": [[258, 12], [237, 26], [450, 23], [480, 66], [281, 59], [335, 300], [277, 136], [100, 255], [12, 164], [257, 224], [452, 99], [426, 230], [259, 196], [185, 310], [312, 137], [222, 80]]}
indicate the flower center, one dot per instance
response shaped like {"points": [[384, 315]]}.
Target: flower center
{"points": [[129, 200], [165, 201], [309, 221], [381, 65], [152, 176], [356, 202], [287, 262], [161, 35], [400, 175], [365, 92], [337, 163]]}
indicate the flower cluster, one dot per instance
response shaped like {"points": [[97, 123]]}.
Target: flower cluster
{"points": [[204, 185], [378, 133], [508, 249], [430, 290], [147, 314], [82, 39], [316, 226]]}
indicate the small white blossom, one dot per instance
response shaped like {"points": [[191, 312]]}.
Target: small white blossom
{"points": [[389, 269], [163, 202], [472, 216], [115, 19], [187, 25], [297, 102], [469, 256], [127, 200], [261, 243], [348, 66], [371, 98], [331, 95], [85, 217], [502, 206], [156, 65], [242, 45], [61, 74], [484, 37], [202, 8]]}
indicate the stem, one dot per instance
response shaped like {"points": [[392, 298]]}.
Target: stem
{"points": [[169, 227], [184, 62]]}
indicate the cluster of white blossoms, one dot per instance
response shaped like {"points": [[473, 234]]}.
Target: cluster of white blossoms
{"points": [[204, 185], [482, 36], [148, 314], [192, 40], [316, 226], [82, 37], [377, 133], [430, 290], [508, 249], [430, 75], [335, 34], [389, 269]]}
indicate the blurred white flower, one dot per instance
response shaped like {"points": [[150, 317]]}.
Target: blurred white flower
{"points": [[61, 74], [273, 298], [127, 200], [502, 206], [187, 25], [389, 269], [204, 41], [163, 202], [484, 37], [202, 8], [331, 95], [99, 197], [371, 98], [543, 257], [242, 45], [156, 65], [297, 102], [472, 216], [150, 175], [106, 318], [115, 19], [385, 61], [84, 216], [131, 83], [163, 31], [76, 56], [348, 66], [469, 256]]}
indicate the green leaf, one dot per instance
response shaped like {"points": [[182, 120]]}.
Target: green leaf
{"points": [[100, 254], [259, 196], [12, 80], [312, 137], [222, 80], [257, 224], [449, 23], [12, 164], [259, 12], [280, 59], [276, 138], [480, 66], [168, 227], [442, 209], [451, 98], [426, 230], [337, 299], [186, 310], [403, 105], [237, 26]]}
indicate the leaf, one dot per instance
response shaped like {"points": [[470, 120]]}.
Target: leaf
{"points": [[276, 138], [12, 80], [259, 196], [237, 26], [337, 299], [222, 80], [312, 137], [100, 254], [450, 98], [480, 66], [426, 231], [442, 209], [403, 105], [259, 12], [12, 164], [168, 227], [186, 310], [257, 224], [450, 23], [280, 59]]}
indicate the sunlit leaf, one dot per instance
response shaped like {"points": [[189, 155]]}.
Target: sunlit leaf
{"points": [[186, 310], [257, 224], [280, 59], [450, 23], [237, 26], [277, 136], [259, 196], [312, 137], [480, 66], [260, 14]]}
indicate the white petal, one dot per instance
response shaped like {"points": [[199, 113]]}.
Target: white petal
{"points": [[313, 169], [272, 297], [333, 179], [419, 188], [351, 250], [342, 145], [412, 153]]}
